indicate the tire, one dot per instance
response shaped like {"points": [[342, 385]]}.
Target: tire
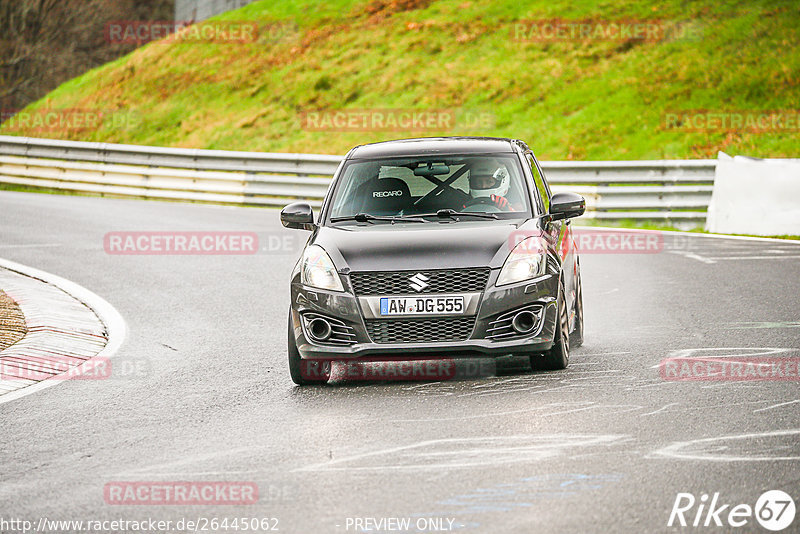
{"points": [[296, 363], [557, 357], [576, 338]]}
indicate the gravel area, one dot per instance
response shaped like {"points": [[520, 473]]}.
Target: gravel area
{"points": [[12, 322]]}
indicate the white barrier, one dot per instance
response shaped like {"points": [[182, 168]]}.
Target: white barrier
{"points": [[755, 197]]}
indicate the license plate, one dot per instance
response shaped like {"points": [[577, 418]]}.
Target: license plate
{"points": [[422, 305]]}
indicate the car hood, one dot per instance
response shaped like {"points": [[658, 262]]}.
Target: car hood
{"points": [[435, 245]]}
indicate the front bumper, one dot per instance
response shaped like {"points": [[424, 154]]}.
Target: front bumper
{"points": [[491, 303]]}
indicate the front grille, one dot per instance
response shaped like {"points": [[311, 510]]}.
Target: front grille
{"points": [[420, 330], [434, 281]]}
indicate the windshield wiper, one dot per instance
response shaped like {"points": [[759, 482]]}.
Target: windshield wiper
{"points": [[365, 217], [453, 214]]}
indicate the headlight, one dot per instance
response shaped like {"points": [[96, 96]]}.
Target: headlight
{"points": [[528, 260], [317, 270]]}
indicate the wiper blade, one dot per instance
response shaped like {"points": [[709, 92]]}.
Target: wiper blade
{"points": [[453, 214], [365, 217]]}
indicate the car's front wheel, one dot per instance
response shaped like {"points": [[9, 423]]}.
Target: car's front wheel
{"points": [[558, 356], [576, 339]]}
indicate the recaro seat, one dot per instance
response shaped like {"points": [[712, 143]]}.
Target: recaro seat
{"points": [[384, 196]]}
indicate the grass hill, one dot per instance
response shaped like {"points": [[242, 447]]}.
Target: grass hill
{"points": [[492, 65]]}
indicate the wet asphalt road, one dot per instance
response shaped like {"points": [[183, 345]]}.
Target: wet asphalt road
{"points": [[201, 392]]}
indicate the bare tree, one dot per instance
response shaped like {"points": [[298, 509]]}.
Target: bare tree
{"points": [[46, 42]]}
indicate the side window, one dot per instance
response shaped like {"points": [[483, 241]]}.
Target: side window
{"points": [[544, 193]]}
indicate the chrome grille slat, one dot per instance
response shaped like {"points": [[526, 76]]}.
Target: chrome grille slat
{"points": [[506, 334]]}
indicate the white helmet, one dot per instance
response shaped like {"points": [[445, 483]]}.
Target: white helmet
{"points": [[487, 177]]}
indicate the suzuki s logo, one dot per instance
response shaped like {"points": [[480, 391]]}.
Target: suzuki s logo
{"points": [[397, 193], [418, 282]]}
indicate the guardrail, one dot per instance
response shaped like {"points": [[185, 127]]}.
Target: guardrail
{"points": [[678, 191]]}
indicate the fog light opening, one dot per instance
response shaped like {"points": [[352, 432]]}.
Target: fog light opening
{"points": [[319, 329], [524, 322]]}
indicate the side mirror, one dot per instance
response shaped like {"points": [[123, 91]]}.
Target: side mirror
{"points": [[567, 206], [298, 215]]}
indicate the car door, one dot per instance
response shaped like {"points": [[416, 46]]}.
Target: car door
{"points": [[560, 232]]}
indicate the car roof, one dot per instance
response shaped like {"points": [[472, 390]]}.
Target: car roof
{"points": [[435, 145]]}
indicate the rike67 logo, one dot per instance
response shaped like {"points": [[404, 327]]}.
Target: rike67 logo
{"points": [[774, 510]]}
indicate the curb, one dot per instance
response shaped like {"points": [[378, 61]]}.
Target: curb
{"points": [[113, 322]]}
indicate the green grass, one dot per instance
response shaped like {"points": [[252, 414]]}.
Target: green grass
{"points": [[45, 190], [574, 99], [638, 224]]}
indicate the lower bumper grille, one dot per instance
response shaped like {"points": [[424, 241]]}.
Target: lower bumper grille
{"points": [[502, 327], [420, 330], [341, 333]]}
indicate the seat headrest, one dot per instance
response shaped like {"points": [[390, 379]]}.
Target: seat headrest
{"points": [[385, 196]]}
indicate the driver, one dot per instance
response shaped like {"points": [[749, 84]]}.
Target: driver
{"points": [[488, 183]]}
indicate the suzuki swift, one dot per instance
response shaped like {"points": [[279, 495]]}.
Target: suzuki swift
{"points": [[436, 248]]}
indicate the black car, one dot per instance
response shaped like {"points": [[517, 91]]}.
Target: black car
{"points": [[436, 248]]}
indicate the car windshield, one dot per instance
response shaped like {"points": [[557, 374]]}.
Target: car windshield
{"points": [[451, 186]]}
